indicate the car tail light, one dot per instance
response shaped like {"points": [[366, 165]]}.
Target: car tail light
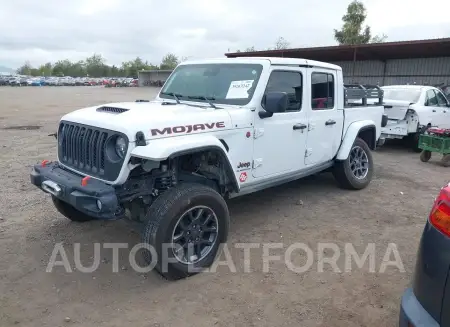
{"points": [[440, 213]]}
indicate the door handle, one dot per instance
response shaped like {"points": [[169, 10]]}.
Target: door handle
{"points": [[330, 122], [434, 110], [299, 126]]}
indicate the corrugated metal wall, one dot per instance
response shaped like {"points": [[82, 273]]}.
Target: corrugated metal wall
{"points": [[427, 71], [146, 77]]}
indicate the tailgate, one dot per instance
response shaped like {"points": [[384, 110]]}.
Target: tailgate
{"points": [[396, 109]]}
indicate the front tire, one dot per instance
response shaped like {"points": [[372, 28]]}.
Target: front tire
{"points": [[70, 212], [185, 226], [355, 173]]}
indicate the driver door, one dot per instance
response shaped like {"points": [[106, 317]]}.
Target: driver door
{"points": [[280, 140]]}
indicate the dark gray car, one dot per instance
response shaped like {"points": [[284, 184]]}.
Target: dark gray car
{"points": [[427, 303]]}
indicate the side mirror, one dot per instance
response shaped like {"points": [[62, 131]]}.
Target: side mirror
{"points": [[274, 102]]}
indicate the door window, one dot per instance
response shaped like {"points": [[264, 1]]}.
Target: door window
{"points": [[290, 83], [322, 91], [442, 101], [431, 100]]}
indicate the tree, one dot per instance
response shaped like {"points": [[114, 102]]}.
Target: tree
{"points": [[169, 61], [352, 31], [45, 70], [250, 49], [379, 38], [131, 68], [25, 69], [95, 65], [281, 43]]}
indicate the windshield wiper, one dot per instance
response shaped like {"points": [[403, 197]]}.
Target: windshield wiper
{"points": [[201, 97], [174, 95]]}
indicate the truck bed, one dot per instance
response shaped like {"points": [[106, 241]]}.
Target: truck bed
{"points": [[372, 113]]}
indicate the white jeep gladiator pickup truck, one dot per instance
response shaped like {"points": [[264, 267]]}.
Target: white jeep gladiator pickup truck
{"points": [[218, 129]]}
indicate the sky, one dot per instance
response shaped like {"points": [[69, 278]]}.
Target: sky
{"points": [[120, 30]]}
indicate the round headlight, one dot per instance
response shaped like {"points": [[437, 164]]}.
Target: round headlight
{"points": [[121, 147]]}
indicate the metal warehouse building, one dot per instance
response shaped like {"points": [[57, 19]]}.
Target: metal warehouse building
{"points": [[411, 62], [153, 77]]}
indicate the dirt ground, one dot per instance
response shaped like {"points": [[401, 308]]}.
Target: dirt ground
{"points": [[392, 209]]}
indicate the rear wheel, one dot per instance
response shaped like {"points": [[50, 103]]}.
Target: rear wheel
{"points": [[414, 142], [356, 171], [425, 156], [185, 227], [69, 211]]}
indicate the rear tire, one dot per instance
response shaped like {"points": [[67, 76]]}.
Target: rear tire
{"points": [[70, 212], [166, 226], [355, 173], [425, 156], [414, 139]]}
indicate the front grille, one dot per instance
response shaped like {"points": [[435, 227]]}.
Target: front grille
{"points": [[84, 148]]}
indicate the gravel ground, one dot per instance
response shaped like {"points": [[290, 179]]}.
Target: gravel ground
{"points": [[392, 209]]}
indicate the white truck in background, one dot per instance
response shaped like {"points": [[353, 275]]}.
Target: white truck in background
{"points": [[411, 109], [218, 129]]}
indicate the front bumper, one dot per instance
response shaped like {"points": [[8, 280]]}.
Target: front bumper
{"points": [[413, 314], [67, 186]]}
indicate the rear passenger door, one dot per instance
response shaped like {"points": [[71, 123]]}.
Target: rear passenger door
{"points": [[325, 120]]}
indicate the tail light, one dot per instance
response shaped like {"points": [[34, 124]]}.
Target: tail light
{"points": [[440, 213]]}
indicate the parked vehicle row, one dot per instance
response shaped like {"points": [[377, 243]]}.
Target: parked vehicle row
{"points": [[121, 82], [65, 81], [157, 83]]}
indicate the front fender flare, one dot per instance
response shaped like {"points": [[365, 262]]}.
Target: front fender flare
{"points": [[350, 136], [165, 148]]}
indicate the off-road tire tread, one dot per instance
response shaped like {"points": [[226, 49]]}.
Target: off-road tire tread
{"points": [[345, 178], [157, 212]]}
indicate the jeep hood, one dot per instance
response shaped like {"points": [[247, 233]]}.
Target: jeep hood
{"points": [[154, 119]]}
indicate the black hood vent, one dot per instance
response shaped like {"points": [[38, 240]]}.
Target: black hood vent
{"points": [[112, 110]]}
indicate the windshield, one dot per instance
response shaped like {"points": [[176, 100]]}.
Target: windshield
{"points": [[410, 95], [217, 83]]}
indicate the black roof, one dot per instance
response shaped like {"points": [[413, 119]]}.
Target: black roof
{"points": [[373, 51]]}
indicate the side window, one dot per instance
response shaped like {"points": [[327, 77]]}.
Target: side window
{"points": [[442, 101], [289, 82], [322, 91], [431, 100]]}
